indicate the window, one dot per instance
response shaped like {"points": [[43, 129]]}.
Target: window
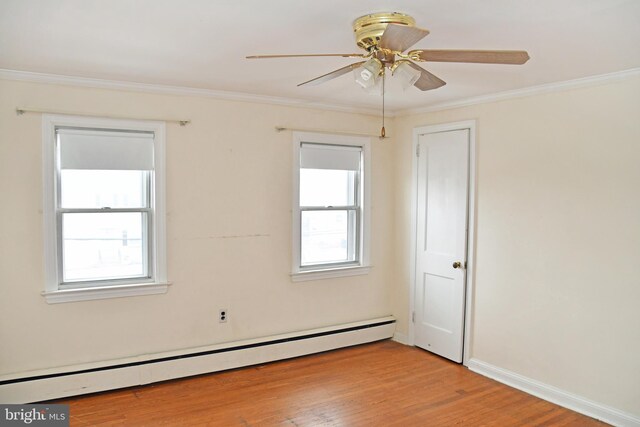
{"points": [[104, 208], [330, 206]]}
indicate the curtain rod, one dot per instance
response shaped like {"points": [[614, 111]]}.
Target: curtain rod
{"points": [[339, 132], [20, 111]]}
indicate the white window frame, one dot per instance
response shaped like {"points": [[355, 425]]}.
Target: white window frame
{"points": [[158, 283], [327, 271]]}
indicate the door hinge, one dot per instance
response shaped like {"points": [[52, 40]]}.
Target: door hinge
{"points": [[413, 317], [418, 150]]}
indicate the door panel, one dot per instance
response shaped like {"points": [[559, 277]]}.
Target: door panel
{"points": [[443, 172], [438, 302]]}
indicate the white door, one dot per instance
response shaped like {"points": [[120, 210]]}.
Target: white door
{"points": [[443, 179]]}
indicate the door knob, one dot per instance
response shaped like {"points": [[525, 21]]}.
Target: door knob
{"points": [[457, 264]]}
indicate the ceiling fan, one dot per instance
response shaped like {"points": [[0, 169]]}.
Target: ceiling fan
{"points": [[385, 37]]}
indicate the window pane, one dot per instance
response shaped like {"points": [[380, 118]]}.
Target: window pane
{"points": [[327, 237], [326, 187], [95, 189], [101, 246]]}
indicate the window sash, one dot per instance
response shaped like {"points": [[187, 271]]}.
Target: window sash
{"points": [[98, 191], [320, 192], [354, 234], [147, 216]]}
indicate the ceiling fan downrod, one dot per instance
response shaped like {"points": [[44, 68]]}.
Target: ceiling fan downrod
{"points": [[383, 132]]}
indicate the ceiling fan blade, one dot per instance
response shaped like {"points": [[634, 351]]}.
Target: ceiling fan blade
{"points": [[427, 81], [399, 38], [343, 55], [332, 75], [515, 57]]}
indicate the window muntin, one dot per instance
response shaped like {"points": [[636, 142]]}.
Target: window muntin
{"points": [[329, 206], [104, 207]]}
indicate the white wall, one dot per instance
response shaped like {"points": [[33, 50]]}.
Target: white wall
{"points": [[558, 235], [557, 290], [228, 233]]}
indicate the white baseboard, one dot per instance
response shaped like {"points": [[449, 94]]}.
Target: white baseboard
{"points": [[401, 338], [75, 380], [555, 395]]}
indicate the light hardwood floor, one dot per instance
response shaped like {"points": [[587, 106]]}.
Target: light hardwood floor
{"points": [[379, 384]]}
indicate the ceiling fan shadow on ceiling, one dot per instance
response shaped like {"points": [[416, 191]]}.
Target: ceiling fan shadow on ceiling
{"points": [[384, 37]]}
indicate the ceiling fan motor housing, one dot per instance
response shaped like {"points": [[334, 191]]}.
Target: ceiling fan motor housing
{"points": [[369, 28]]}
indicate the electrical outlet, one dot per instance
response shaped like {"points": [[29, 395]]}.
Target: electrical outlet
{"points": [[223, 315]]}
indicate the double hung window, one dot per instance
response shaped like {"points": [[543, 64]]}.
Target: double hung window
{"points": [[104, 222], [330, 205]]}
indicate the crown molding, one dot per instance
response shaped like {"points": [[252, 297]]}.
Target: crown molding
{"points": [[59, 79], [523, 92], [300, 103]]}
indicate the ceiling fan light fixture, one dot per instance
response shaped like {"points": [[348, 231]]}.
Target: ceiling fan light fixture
{"points": [[375, 89], [367, 75], [406, 73]]}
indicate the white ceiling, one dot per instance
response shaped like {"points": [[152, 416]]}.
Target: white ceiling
{"points": [[202, 43]]}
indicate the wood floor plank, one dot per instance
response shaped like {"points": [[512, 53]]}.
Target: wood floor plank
{"points": [[378, 384]]}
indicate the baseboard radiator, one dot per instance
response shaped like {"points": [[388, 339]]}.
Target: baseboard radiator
{"points": [[49, 384]]}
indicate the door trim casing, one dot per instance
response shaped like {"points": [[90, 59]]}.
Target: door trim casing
{"points": [[471, 231]]}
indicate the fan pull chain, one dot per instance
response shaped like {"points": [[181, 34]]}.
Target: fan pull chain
{"points": [[383, 132]]}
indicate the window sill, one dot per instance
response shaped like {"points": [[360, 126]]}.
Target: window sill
{"points": [[86, 294], [303, 276]]}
